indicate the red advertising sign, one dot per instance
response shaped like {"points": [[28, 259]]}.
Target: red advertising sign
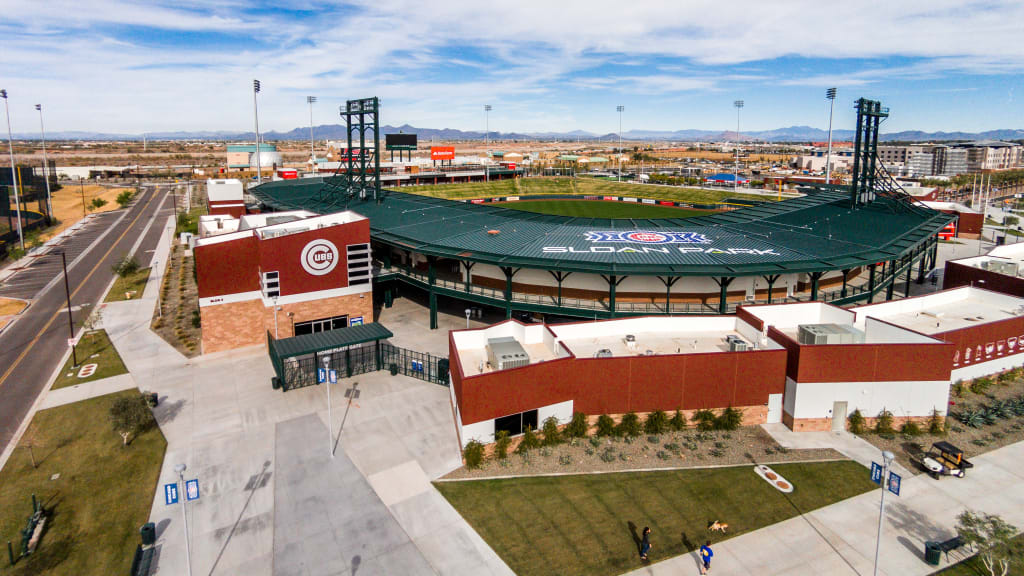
{"points": [[666, 203], [948, 232], [442, 152]]}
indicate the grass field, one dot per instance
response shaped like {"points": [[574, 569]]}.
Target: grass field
{"points": [[598, 209], [590, 524], [93, 348], [98, 503], [579, 186], [133, 283]]}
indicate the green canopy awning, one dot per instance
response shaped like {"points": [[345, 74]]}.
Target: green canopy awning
{"points": [[330, 340]]}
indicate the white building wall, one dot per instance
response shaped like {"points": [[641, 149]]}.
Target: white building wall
{"points": [[791, 315], [561, 411], [483, 432], [814, 400], [878, 332]]}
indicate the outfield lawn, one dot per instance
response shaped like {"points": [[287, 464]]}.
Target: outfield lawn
{"points": [[98, 503], [580, 186], [973, 566], [132, 283], [590, 524], [598, 209], [94, 348]]}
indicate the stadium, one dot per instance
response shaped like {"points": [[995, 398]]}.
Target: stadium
{"points": [[840, 244]]}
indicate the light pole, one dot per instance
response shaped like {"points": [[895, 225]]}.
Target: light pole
{"points": [[330, 423], [468, 313], [180, 469], [256, 113], [620, 109], [831, 95], [487, 139], [736, 174], [276, 308], [312, 155], [46, 165], [14, 171], [71, 321], [887, 458]]}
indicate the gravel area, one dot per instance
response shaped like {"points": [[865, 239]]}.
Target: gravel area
{"points": [[973, 441], [685, 449]]}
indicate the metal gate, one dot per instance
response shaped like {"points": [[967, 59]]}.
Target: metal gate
{"points": [[415, 364], [301, 371]]}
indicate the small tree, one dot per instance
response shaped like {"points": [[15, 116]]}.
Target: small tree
{"points": [[552, 435], [856, 422], [501, 443], [129, 416], [678, 421], [529, 441], [656, 423], [605, 425], [474, 454], [578, 426], [883, 425], [991, 536], [629, 425], [704, 419], [126, 266], [98, 203], [937, 425], [729, 419], [124, 198], [910, 428]]}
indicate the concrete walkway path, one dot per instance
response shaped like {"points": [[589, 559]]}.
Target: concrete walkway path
{"points": [[840, 539], [850, 445], [79, 392]]}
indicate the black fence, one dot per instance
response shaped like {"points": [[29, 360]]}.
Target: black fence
{"points": [[301, 371]]}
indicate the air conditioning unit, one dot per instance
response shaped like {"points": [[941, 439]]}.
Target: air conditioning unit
{"points": [[507, 352], [603, 353]]}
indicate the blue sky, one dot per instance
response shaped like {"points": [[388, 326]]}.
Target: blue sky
{"points": [[132, 67]]}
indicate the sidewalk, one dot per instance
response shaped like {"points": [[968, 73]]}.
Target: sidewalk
{"points": [[853, 447], [840, 539]]}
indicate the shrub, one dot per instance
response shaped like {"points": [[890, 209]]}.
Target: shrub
{"points": [[129, 416], [981, 385], [608, 455], [678, 421], [124, 198], [565, 460], [605, 425], [126, 266], [629, 426], [663, 455], [729, 419], [910, 428], [594, 441], [653, 439], [672, 447], [884, 423], [958, 388], [98, 203], [474, 454], [197, 321], [552, 435], [529, 441], [578, 426], [856, 422], [501, 444], [656, 423], [704, 419]]}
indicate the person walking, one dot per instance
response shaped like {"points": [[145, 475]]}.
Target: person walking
{"points": [[645, 543], [705, 555]]}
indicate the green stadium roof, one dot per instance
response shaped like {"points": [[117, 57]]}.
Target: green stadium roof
{"points": [[809, 234]]}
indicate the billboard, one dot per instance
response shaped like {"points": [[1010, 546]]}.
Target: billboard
{"points": [[442, 152], [400, 141]]}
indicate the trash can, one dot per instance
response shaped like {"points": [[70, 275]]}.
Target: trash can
{"points": [[153, 399], [148, 533], [932, 553]]}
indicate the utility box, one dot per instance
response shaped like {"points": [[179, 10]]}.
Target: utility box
{"points": [[829, 334], [506, 352]]}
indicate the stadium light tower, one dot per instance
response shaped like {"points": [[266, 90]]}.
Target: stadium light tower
{"points": [[830, 94], [487, 138], [620, 109], [312, 155], [46, 165], [14, 171], [256, 112], [736, 174]]}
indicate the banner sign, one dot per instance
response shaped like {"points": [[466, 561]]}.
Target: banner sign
{"points": [[442, 152], [646, 237]]}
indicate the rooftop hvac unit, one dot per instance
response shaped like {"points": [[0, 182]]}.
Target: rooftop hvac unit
{"points": [[828, 334], [507, 352], [737, 345], [631, 341], [603, 353]]}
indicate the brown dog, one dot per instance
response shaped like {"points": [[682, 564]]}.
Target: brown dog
{"points": [[719, 526]]}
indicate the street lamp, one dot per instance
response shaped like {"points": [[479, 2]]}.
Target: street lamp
{"points": [[256, 112], [831, 95], [46, 165], [276, 310], [14, 171], [487, 139], [469, 312], [312, 155], [71, 321], [887, 458], [330, 423], [620, 109], [180, 469], [736, 174]]}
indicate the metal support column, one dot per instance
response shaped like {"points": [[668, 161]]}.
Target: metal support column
{"points": [[613, 282], [771, 279], [815, 277], [723, 294], [891, 287], [921, 265], [871, 282], [845, 273], [668, 281], [509, 273], [469, 268], [431, 280]]}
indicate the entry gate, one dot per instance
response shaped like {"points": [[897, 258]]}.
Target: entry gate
{"points": [[415, 364], [301, 371]]}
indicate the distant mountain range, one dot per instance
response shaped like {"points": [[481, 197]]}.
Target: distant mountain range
{"points": [[337, 132]]}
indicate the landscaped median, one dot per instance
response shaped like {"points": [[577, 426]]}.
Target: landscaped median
{"points": [[96, 493], [97, 359], [128, 287], [590, 524]]}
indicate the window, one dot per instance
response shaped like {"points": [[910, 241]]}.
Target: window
{"points": [[270, 282], [516, 423], [358, 264], [321, 325]]}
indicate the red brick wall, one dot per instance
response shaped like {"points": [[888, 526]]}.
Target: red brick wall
{"points": [[997, 334], [227, 267], [283, 254]]}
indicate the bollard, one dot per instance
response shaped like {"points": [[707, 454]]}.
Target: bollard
{"points": [[10, 552]]}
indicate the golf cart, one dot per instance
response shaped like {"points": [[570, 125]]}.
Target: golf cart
{"points": [[944, 459]]}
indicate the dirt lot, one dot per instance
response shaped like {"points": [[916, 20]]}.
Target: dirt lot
{"points": [[972, 440], [684, 449], [67, 204]]}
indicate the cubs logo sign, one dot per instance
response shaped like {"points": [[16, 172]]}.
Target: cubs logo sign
{"points": [[319, 257], [647, 237]]}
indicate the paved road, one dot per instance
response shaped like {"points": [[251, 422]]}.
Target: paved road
{"points": [[32, 347]]}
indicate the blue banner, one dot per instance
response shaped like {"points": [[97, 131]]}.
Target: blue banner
{"points": [[876, 473], [171, 493]]}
